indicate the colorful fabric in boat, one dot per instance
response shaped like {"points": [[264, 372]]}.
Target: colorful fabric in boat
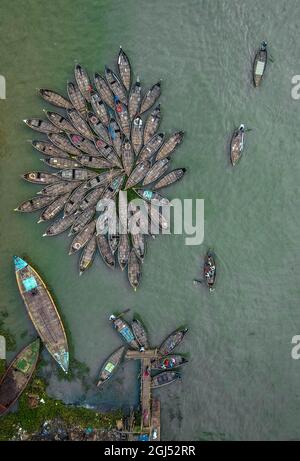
{"points": [[126, 333], [109, 367], [260, 67], [30, 283], [19, 263]]}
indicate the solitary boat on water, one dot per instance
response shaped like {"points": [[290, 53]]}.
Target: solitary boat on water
{"points": [[260, 64], [209, 270], [237, 144], [18, 375], [42, 311]]}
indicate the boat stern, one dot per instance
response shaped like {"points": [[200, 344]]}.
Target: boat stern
{"points": [[62, 359]]}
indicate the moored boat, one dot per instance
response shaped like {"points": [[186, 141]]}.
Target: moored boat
{"points": [[123, 250], [105, 251], [87, 255], [60, 225], [116, 136], [59, 188], [156, 171], [103, 178], [63, 143], [169, 362], [124, 330], [54, 98], [76, 98], [134, 269], [74, 200], [61, 163], [82, 219], [17, 376], [47, 148], [138, 243], [138, 174], [122, 116], [127, 156], [134, 100], [82, 238], [83, 82], [93, 162], [104, 90], [36, 203], [170, 145], [54, 208], [42, 311], [209, 270], [42, 126], [152, 196], [60, 122], [152, 124], [110, 365], [107, 151], [91, 199], [80, 125], [115, 85], [40, 177], [150, 97], [260, 64], [84, 144], [151, 147], [98, 127], [140, 333], [99, 108], [75, 174], [170, 178], [137, 134], [114, 240], [124, 69], [172, 341], [164, 378], [237, 144]]}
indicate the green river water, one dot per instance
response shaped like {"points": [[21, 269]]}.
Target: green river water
{"points": [[241, 382]]}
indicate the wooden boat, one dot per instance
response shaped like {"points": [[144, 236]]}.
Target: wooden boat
{"points": [[76, 174], [137, 134], [107, 151], [134, 100], [47, 148], [134, 270], [59, 188], [156, 219], [91, 199], [152, 124], [164, 378], [79, 124], [110, 365], [82, 238], [114, 187], [42, 126], [150, 97], [172, 341], [36, 203], [83, 82], [115, 136], [209, 270], [40, 177], [138, 174], [98, 127], [127, 156], [17, 376], [103, 178], [156, 171], [138, 243], [60, 225], [237, 144], [99, 108], [168, 362], [123, 251], [124, 69], [82, 219], [140, 333], [124, 330], [151, 147], [42, 311], [94, 162], [105, 251], [152, 196], [115, 85], [84, 144], [88, 254], [104, 90], [114, 240], [60, 122], [122, 116], [54, 98], [170, 145], [260, 64], [54, 208], [170, 178], [106, 220], [61, 163], [75, 198], [76, 98], [64, 144]]}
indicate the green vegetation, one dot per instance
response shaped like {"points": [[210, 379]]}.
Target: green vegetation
{"points": [[31, 419], [2, 367]]}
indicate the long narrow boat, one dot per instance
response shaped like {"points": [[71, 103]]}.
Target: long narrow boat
{"points": [[80, 125], [91, 199], [42, 311], [122, 116], [124, 330], [99, 108], [140, 333], [74, 175], [156, 171], [17, 376], [170, 178], [114, 239], [54, 208], [151, 147], [81, 221], [151, 196], [110, 365], [94, 162], [164, 378], [116, 136], [237, 144], [104, 90], [84, 144], [123, 250], [172, 341], [127, 156], [60, 122], [152, 124], [260, 64], [40, 177], [76, 98], [64, 144], [209, 270], [105, 251], [60, 225], [82, 238], [138, 243], [169, 362], [134, 269], [88, 255], [137, 134], [47, 148], [103, 178], [134, 100], [59, 188], [42, 126], [98, 127], [54, 98], [75, 198], [83, 82], [36, 203], [124, 69], [150, 97], [115, 85], [138, 174], [61, 163], [170, 145], [106, 150]]}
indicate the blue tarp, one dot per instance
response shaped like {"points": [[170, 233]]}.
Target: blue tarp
{"points": [[29, 284], [126, 333], [19, 263]]}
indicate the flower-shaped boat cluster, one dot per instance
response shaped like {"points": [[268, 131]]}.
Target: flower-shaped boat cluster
{"points": [[101, 147]]}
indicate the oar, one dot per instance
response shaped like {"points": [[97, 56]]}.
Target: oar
{"points": [[123, 313], [197, 282], [248, 129], [271, 58]]}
